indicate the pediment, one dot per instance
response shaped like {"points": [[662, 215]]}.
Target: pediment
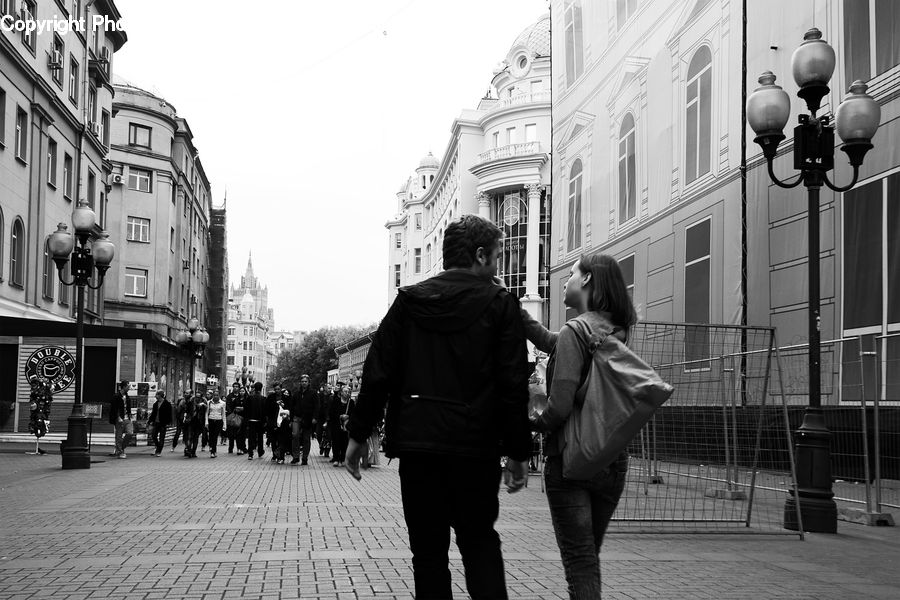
{"points": [[690, 12], [578, 124], [630, 69]]}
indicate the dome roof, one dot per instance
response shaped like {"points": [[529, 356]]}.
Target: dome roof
{"points": [[429, 162], [536, 37], [247, 299]]}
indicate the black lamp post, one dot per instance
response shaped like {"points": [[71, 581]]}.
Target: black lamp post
{"points": [[85, 258], [856, 119], [194, 338]]}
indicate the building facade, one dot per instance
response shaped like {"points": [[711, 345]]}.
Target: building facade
{"points": [[217, 292], [495, 165], [56, 106], [160, 207], [249, 321], [648, 130]]}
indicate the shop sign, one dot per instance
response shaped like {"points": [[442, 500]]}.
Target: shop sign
{"points": [[52, 365], [93, 410], [200, 377]]}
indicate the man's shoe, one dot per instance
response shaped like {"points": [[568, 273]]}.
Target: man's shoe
{"points": [[212, 454], [294, 461], [123, 455], [304, 462], [249, 457], [232, 452], [113, 454]]}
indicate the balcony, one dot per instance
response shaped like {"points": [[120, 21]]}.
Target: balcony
{"points": [[519, 99], [510, 151]]}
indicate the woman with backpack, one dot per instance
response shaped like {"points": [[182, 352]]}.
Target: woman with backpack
{"points": [[581, 509]]}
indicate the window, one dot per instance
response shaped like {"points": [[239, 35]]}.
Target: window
{"points": [[51, 162], [417, 253], [697, 293], [76, 8], [138, 135], [229, 360], [63, 288], [396, 275], [92, 104], [699, 115], [73, 80], [418, 221], [531, 133], [2, 117], [624, 11], [58, 52], [136, 282], [627, 187], [510, 135], [172, 240], [17, 254], [574, 223], [245, 360], [67, 176], [91, 189], [1, 243], [169, 295], [104, 128], [229, 346], [496, 137], [428, 257], [29, 11], [21, 134], [140, 180], [181, 299], [138, 229], [574, 41], [49, 267], [398, 240], [871, 38], [626, 265]]}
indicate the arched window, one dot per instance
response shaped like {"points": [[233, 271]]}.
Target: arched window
{"points": [[627, 186], [698, 129], [428, 258], [17, 254], [48, 271], [574, 41], [574, 233]]}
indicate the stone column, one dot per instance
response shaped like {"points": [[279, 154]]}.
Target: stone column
{"points": [[532, 300], [484, 205]]}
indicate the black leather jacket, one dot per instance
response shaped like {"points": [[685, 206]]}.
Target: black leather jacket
{"points": [[449, 360]]}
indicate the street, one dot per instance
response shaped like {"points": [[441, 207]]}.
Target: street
{"points": [[169, 527]]}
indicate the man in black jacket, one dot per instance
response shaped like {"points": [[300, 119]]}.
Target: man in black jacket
{"points": [[160, 417], [255, 413], [449, 360], [304, 408], [119, 412]]}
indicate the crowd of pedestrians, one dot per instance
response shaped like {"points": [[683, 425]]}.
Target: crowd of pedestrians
{"points": [[247, 422]]}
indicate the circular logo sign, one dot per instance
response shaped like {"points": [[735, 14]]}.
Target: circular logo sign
{"points": [[51, 365]]}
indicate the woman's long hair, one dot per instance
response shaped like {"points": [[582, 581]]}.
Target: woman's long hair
{"points": [[607, 289]]}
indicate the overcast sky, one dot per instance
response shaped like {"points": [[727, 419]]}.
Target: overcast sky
{"points": [[311, 115]]}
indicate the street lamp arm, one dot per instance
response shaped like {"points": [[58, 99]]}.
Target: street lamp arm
{"points": [[845, 187], [62, 278], [99, 283], [783, 184]]}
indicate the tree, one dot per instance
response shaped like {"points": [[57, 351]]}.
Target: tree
{"points": [[315, 356]]}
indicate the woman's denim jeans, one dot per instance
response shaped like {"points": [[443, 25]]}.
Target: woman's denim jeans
{"points": [[581, 511]]}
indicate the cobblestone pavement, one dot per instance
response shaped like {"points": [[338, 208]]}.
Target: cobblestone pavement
{"points": [[169, 527]]}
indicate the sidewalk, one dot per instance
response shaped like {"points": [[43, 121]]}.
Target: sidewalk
{"points": [[170, 527]]}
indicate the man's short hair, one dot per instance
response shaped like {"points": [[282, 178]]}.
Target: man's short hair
{"points": [[464, 236], [123, 383], [258, 386]]}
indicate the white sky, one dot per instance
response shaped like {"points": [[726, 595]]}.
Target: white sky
{"points": [[312, 114]]}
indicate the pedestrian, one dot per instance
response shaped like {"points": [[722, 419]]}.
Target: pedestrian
{"points": [[189, 425], [40, 400], [273, 405], [215, 421], [234, 407], [580, 510], [322, 438], [449, 360], [179, 408], [283, 433], [119, 414], [160, 417], [198, 422], [304, 409], [204, 430], [336, 427], [255, 414]]}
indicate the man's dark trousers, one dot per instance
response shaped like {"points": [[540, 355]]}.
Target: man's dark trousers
{"points": [[255, 431], [300, 439], [440, 492]]}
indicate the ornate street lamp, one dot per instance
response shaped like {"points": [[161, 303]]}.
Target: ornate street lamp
{"points": [[85, 258], [195, 339], [857, 120]]}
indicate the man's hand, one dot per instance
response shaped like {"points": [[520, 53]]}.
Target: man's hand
{"points": [[352, 457], [515, 475]]}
